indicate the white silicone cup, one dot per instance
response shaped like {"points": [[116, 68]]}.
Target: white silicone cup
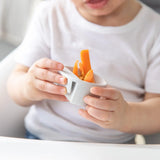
{"points": [[77, 89]]}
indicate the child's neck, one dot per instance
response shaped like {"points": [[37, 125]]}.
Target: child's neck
{"points": [[120, 17]]}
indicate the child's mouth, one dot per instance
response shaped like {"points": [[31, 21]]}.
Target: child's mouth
{"points": [[96, 4]]}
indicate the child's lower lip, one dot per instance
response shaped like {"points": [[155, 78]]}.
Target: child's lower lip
{"points": [[96, 4]]}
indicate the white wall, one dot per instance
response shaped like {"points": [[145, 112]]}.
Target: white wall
{"points": [[14, 18]]}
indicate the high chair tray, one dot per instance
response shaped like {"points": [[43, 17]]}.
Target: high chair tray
{"points": [[24, 149]]}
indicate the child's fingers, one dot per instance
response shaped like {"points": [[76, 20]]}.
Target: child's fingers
{"points": [[99, 114], [104, 104], [56, 97], [49, 64], [44, 74], [109, 93], [87, 116], [49, 87]]}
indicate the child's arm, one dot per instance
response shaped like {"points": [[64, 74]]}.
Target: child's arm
{"points": [[112, 111], [146, 115], [27, 86]]}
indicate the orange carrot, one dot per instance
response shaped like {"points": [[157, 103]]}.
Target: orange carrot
{"points": [[81, 70], [75, 68], [89, 77], [85, 61], [84, 72]]}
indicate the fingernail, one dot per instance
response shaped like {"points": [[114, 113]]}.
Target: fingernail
{"points": [[59, 66], [62, 80], [92, 90], [65, 80]]}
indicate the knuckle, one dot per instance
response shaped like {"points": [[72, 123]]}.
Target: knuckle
{"points": [[55, 78], [31, 70], [114, 93], [103, 91], [109, 106], [42, 86], [44, 73]]}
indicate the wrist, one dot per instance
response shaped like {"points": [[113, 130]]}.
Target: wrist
{"points": [[131, 118], [136, 117], [26, 93]]}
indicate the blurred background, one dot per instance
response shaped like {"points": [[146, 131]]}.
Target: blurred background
{"points": [[14, 19]]}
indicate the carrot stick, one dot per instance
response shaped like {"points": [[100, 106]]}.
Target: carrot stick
{"points": [[75, 68], [85, 61], [84, 72], [81, 70], [89, 77]]}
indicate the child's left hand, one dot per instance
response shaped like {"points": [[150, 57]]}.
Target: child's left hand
{"points": [[107, 108]]}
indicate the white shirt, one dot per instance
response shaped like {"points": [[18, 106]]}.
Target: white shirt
{"points": [[128, 58]]}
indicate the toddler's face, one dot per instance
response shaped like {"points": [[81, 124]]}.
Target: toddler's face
{"points": [[98, 7]]}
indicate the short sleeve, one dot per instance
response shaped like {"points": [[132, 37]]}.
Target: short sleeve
{"points": [[36, 42], [152, 81]]}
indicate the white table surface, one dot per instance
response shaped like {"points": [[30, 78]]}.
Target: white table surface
{"points": [[24, 149]]}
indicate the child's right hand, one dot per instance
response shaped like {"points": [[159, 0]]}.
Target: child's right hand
{"points": [[42, 79]]}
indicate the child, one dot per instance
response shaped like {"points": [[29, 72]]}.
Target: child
{"points": [[123, 38]]}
